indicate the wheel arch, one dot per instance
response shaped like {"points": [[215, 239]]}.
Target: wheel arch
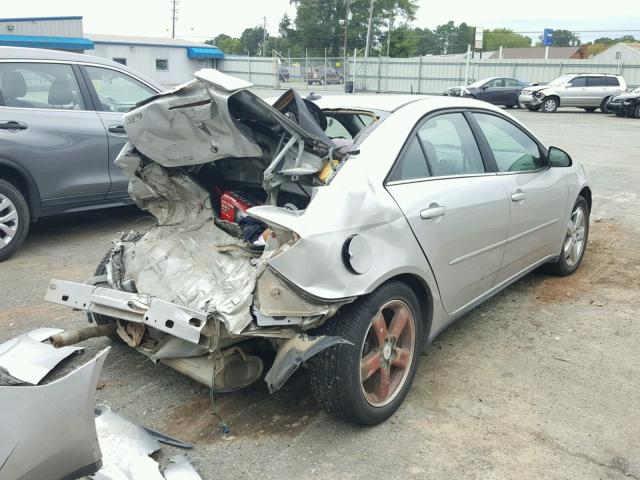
{"points": [[555, 96], [422, 293], [586, 193], [19, 177]]}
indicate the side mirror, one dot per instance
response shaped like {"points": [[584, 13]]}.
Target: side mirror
{"points": [[558, 158], [567, 85]]}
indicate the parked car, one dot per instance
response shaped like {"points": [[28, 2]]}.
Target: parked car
{"points": [[495, 90], [585, 90], [626, 105], [60, 131], [346, 248], [323, 76]]}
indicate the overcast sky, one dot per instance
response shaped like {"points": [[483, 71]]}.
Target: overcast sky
{"points": [[202, 19]]}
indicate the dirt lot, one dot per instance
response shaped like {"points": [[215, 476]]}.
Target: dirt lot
{"points": [[543, 381]]}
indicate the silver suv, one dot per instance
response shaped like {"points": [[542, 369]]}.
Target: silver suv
{"points": [[585, 90], [60, 131]]}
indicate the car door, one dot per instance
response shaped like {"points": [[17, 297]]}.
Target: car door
{"points": [[575, 93], [597, 90], [457, 210], [537, 194], [114, 93], [491, 91], [47, 124], [510, 92]]}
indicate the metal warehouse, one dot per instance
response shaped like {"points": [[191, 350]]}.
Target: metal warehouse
{"points": [[168, 61]]}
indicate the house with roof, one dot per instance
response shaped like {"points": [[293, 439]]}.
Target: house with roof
{"points": [[168, 61], [625, 53]]}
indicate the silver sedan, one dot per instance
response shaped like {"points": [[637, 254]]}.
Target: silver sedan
{"points": [[344, 233]]}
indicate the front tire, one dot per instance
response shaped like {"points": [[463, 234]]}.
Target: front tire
{"points": [[14, 219], [575, 241], [550, 105], [636, 111], [365, 383], [603, 106], [533, 108]]}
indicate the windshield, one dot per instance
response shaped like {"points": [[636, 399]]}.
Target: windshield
{"points": [[479, 83], [560, 80]]}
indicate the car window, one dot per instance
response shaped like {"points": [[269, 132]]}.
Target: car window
{"points": [[510, 82], [579, 82], [449, 145], [513, 150], [612, 81], [596, 82], [39, 85], [116, 91], [411, 163], [335, 129], [496, 82]]}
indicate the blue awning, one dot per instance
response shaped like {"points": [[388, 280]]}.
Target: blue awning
{"points": [[204, 52], [61, 43]]}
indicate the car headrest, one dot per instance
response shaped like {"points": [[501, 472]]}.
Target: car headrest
{"points": [[13, 85], [60, 92]]}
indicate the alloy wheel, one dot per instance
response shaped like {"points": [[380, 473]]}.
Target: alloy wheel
{"points": [[387, 353], [8, 221], [574, 239], [550, 105]]}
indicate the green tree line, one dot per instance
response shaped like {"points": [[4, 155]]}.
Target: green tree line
{"points": [[323, 25]]}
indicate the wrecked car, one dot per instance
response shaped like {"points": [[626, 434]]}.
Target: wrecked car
{"points": [[344, 233]]}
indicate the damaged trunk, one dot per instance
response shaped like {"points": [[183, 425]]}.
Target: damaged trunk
{"points": [[198, 285]]}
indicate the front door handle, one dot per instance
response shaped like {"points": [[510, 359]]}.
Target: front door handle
{"points": [[119, 129], [434, 211], [518, 196], [12, 125]]}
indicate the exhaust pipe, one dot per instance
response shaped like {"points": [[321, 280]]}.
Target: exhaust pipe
{"points": [[65, 339]]}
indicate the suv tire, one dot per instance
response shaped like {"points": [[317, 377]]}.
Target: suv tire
{"points": [[603, 106], [388, 356], [550, 104], [14, 219]]}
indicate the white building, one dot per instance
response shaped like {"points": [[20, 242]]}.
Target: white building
{"points": [[625, 53], [168, 61]]}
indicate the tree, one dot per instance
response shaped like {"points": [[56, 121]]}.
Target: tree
{"points": [[318, 22], [504, 37], [252, 38], [563, 38], [227, 44]]}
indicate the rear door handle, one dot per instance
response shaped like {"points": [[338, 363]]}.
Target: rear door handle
{"points": [[518, 196], [12, 125], [434, 211], [119, 129]]}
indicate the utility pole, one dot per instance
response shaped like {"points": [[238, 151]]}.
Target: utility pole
{"points": [[366, 48], [346, 24], [174, 17], [389, 34], [264, 35]]}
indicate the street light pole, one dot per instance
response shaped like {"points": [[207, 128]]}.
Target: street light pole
{"points": [[346, 24]]}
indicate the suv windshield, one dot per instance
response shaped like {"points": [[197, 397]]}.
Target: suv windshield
{"points": [[560, 80]]}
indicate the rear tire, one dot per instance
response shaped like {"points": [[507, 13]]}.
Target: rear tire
{"points": [[575, 241], [603, 106], [14, 219], [386, 330]]}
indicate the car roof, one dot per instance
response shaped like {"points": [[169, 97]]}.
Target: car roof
{"points": [[368, 101], [27, 53]]}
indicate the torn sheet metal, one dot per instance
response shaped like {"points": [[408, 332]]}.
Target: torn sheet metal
{"points": [[179, 468], [125, 448], [195, 264], [48, 431], [27, 360], [293, 353]]}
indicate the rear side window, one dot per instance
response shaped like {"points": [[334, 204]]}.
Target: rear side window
{"points": [[513, 150], [510, 82], [596, 82], [39, 85], [612, 81], [116, 91], [411, 164], [450, 146]]}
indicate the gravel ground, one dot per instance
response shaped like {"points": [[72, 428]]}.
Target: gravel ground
{"points": [[540, 382]]}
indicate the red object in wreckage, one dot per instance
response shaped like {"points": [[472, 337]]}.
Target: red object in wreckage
{"points": [[233, 204]]}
